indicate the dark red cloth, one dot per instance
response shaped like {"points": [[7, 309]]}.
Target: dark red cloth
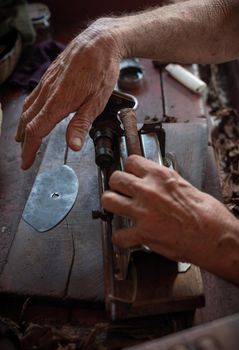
{"points": [[34, 62]]}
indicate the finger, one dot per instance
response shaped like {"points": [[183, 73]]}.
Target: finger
{"points": [[124, 183], [44, 122], [77, 129], [136, 165], [30, 147], [82, 120], [168, 253], [126, 238], [38, 128], [32, 97], [29, 113], [118, 204], [141, 167], [36, 101], [131, 237], [27, 104]]}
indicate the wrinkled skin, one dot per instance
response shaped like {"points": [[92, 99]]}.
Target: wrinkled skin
{"points": [[171, 216], [81, 80], [84, 75]]}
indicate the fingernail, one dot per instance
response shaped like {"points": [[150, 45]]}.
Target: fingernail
{"points": [[18, 137], [76, 142], [24, 166]]}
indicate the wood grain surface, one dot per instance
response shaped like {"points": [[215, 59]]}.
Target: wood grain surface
{"points": [[66, 262], [180, 102], [219, 335], [221, 297]]}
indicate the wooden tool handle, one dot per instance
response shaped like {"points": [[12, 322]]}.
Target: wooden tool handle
{"points": [[129, 121]]}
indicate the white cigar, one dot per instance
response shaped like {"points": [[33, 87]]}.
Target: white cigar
{"points": [[186, 78]]}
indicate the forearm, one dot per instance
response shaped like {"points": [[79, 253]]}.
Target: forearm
{"points": [[217, 250], [189, 32], [227, 251]]}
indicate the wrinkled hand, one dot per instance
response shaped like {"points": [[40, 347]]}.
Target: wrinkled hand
{"points": [[170, 216], [81, 80]]}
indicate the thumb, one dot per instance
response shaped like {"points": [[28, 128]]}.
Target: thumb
{"points": [[126, 238], [77, 130]]}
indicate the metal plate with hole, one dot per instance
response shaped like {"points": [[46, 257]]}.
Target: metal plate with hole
{"points": [[52, 197]]}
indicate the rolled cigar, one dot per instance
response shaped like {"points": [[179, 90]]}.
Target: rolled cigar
{"points": [[129, 121]]}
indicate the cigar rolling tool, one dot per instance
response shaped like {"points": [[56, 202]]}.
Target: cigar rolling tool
{"points": [[116, 135], [137, 282]]}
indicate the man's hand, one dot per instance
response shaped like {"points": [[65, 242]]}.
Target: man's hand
{"points": [[173, 218], [81, 80], [83, 76]]}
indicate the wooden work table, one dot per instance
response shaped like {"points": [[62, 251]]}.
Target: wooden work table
{"points": [[169, 98]]}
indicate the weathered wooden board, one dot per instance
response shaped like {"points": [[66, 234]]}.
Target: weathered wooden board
{"points": [[39, 263], [66, 262], [86, 279], [221, 297], [160, 289], [180, 102], [15, 185], [77, 239], [211, 182], [219, 335], [188, 142], [149, 95]]}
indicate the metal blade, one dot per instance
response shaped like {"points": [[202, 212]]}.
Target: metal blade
{"points": [[52, 197]]}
